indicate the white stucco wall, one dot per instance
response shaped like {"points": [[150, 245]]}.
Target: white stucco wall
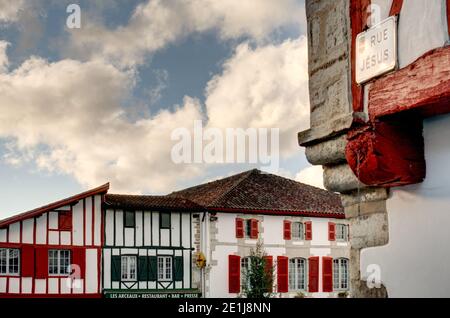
{"points": [[422, 27], [416, 261], [223, 242]]}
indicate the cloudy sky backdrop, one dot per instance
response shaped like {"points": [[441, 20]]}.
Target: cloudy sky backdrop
{"points": [[81, 107]]}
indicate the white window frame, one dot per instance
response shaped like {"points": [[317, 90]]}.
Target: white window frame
{"points": [[5, 255], [340, 274], [165, 268], [300, 234], [293, 272], [63, 262], [341, 232], [128, 268], [247, 226]]}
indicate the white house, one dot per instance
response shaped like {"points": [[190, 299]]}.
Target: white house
{"points": [[302, 230]]}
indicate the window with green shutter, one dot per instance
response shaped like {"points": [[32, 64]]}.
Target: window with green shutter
{"points": [[115, 268], [178, 268], [143, 270], [152, 268]]}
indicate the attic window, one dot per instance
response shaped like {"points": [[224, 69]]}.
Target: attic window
{"points": [[65, 221], [129, 219]]}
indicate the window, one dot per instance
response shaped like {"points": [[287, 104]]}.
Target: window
{"points": [[341, 232], [9, 261], [65, 221], [128, 268], [164, 268], [129, 218], [298, 232], [297, 274], [245, 268], [59, 262], [164, 219], [340, 274], [248, 228]]}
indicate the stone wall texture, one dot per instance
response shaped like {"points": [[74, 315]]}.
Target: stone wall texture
{"points": [[329, 44]]}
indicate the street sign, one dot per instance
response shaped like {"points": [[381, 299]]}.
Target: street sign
{"points": [[376, 50]]}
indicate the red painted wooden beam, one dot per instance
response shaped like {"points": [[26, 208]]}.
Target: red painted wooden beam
{"points": [[423, 86], [396, 7], [387, 153], [448, 15]]}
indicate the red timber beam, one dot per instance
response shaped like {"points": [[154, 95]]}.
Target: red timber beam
{"points": [[388, 151], [422, 87]]}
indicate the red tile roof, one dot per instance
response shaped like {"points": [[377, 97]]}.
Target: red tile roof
{"points": [[143, 202], [55, 205], [259, 192]]}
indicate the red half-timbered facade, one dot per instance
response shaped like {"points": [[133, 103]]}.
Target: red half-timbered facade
{"points": [[55, 250]]}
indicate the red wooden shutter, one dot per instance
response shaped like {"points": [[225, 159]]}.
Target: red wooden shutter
{"points": [[254, 229], [287, 230], [308, 231], [27, 261], [239, 228], [327, 274], [331, 231], [269, 271], [282, 274], [79, 259], [65, 221], [41, 262], [234, 274], [314, 274]]}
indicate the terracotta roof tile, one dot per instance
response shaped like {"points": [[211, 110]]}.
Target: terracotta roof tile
{"points": [[256, 190], [144, 202]]}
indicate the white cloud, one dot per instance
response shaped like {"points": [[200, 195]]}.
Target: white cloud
{"points": [[4, 62], [66, 117], [10, 10], [312, 175], [158, 23], [264, 87]]}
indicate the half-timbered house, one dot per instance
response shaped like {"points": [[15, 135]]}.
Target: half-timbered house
{"points": [[149, 248], [55, 250]]}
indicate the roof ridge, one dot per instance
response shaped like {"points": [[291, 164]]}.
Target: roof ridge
{"points": [[55, 205], [245, 176]]}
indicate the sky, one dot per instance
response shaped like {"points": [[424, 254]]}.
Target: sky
{"points": [[80, 107]]}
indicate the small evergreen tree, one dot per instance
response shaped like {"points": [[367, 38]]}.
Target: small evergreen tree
{"points": [[258, 279]]}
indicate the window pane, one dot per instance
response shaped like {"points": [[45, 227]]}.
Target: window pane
{"points": [[165, 220], [3, 261], [160, 268], [129, 219], [13, 261], [248, 228], [132, 264], [336, 274]]}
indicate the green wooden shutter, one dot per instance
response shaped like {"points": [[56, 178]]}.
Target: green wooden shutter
{"points": [[153, 268], [115, 268], [143, 269], [178, 267]]}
